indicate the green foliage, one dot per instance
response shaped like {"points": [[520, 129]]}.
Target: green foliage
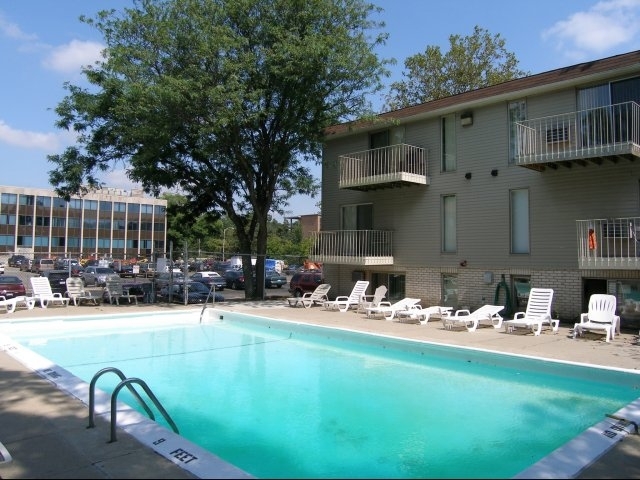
{"points": [[225, 101], [472, 62]]}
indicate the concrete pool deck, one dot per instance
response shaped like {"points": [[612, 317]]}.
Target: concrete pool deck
{"points": [[45, 430]]}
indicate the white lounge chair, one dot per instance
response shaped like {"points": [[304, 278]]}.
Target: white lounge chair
{"points": [[77, 293], [600, 317], [389, 310], [42, 293], [309, 299], [538, 313], [114, 291], [8, 303], [471, 320], [417, 314], [368, 301], [344, 303]]}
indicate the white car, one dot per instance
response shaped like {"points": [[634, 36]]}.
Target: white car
{"points": [[1, 267]]}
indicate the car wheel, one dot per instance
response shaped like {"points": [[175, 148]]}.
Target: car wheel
{"points": [[297, 293], [235, 286]]}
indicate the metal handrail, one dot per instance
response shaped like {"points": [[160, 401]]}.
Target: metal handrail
{"points": [[92, 394], [145, 387], [206, 302]]}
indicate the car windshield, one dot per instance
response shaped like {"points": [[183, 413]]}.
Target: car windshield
{"points": [[198, 287], [7, 280], [104, 270]]}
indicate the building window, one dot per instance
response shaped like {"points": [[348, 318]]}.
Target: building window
{"points": [[132, 243], [395, 284], [517, 113], [146, 244], [7, 240], [449, 290], [90, 223], [89, 243], [519, 211], [27, 200], [58, 222], [43, 201], [25, 241], [73, 242], [448, 147], [43, 221], [8, 198], [146, 226], [91, 205], [25, 220], [41, 241], [118, 243], [57, 241], [104, 224], [357, 217], [74, 222], [132, 226], [158, 226], [7, 219], [449, 221], [105, 206], [134, 208], [119, 207], [119, 224], [160, 210], [104, 243], [75, 203], [521, 288], [59, 202], [144, 208]]}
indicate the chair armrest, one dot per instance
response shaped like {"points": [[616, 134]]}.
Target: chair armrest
{"points": [[518, 315], [341, 298], [462, 312], [584, 317]]}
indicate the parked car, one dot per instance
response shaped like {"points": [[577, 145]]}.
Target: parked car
{"points": [[25, 265], [234, 279], [208, 278], [57, 280], [197, 292], [16, 260], [305, 281], [11, 286], [165, 278], [272, 279], [42, 264], [1, 267], [67, 264], [97, 276]]}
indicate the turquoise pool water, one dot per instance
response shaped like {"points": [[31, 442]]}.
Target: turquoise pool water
{"points": [[284, 400]]}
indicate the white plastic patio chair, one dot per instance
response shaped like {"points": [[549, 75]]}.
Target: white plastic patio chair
{"points": [[471, 320], [601, 317], [537, 314], [344, 303]]}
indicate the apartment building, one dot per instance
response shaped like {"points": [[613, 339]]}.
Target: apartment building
{"points": [[474, 199], [107, 223]]}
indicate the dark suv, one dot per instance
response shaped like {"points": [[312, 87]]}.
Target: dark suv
{"points": [[305, 281], [235, 279], [57, 280]]}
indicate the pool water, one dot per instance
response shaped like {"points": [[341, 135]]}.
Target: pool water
{"points": [[284, 400]]}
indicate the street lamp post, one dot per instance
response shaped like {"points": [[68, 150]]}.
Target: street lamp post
{"points": [[224, 239]]}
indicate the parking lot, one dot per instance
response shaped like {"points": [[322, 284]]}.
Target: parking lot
{"points": [[229, 294]]}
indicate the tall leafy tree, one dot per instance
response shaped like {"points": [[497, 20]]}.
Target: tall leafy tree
{"points": [[222, 100], [472, 62]]}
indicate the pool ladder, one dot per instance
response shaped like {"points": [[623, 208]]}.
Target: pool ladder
{"points": [[212, 290], [125, 382]]}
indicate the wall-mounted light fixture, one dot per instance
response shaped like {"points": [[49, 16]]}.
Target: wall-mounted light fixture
{"points": [[467, 175], [466, 119], [494, 172]]}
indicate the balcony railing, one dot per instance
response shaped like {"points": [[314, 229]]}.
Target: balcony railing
{"points": [[352, 247], [592, 134], [610, 243], [384, 167]]}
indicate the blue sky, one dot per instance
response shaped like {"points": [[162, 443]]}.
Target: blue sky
{"points": [[43, 44]]}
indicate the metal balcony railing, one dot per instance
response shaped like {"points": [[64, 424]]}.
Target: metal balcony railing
{"points": [[352, 247], [609, 243], [594, 133], [384, 167]]}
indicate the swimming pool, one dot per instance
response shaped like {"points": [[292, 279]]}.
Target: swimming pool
{"points": [[281, 399]]}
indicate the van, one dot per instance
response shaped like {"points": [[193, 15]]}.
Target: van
{"points": [[305, 281], [42, 264]]}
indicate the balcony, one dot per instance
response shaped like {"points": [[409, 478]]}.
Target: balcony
{"points": [[386, 167], [588, 136], [609, 243], [352, 247]]}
